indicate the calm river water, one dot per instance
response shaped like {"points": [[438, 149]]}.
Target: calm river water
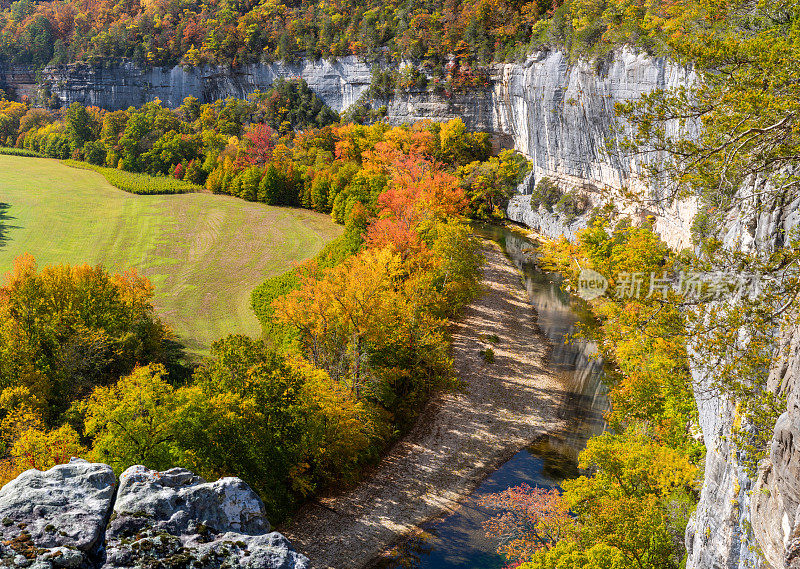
{"points": [[458, 541]]}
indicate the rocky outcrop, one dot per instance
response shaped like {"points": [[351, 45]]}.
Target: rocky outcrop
{"points": [[542, 221], [58, 517], [73, 516]]}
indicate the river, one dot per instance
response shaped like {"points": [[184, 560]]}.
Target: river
{"points": [[457, 541]]}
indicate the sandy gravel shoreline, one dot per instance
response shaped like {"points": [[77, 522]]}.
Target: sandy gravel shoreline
{"points": [[459, 438]]}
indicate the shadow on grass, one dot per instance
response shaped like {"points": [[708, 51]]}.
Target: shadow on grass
{"points": [[4, 224]]}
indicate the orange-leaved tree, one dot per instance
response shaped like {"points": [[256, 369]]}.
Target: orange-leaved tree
{"points": [[531, 519]]}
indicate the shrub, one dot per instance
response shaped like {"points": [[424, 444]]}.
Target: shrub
{"points": [[492, 338], [569, 204], [572, 204], [546, 194], [138, 183], [20, 152]]}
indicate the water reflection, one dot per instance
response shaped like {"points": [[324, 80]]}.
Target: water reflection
{"points": [[458, 541]]}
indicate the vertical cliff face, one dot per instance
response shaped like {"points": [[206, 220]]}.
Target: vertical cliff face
{"points": [[338, 83], [775, 499], [740, 522], [775, 504], [18, 81], [562, 116]]}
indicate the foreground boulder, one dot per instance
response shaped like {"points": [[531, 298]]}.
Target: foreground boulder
{"points": [[56, 518], [70, 517], [176, 519]]}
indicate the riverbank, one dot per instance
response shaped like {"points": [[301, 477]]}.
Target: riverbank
{"points": [[460, 436]]}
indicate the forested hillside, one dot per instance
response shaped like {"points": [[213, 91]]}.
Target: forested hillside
{"points": [[476, 31]]}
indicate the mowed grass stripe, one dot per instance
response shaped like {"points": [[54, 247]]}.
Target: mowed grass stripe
{"points": [[203, 253]]}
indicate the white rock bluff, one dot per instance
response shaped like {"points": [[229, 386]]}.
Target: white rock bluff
{"points": [[338, 83], [72, 516]]}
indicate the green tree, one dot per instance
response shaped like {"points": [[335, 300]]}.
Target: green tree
{"points": [[133, 421], [280, 425], [491, 183], [78, 126], [637, 499], [36, 41]]}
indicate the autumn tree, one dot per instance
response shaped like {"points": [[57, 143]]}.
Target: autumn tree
{"points": [[34, 446], [531, 519], [490, 184], [133, 421], [259, 141], [281, 425], [338, 311], [630, 509], [638, 498], [66, 329], [419, 190]]}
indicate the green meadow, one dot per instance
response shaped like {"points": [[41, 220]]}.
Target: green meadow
{"points": [[203, 253]]}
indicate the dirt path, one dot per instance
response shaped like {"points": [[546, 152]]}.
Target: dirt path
{"points": [[459, 439]]}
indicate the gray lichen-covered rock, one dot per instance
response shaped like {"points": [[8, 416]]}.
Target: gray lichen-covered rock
{"points": [[57, 517], [176, 498], [176, 519], [69, 517], [775, 506]]}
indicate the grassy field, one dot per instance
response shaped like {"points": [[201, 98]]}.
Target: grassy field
{"points": [[203, 253]]}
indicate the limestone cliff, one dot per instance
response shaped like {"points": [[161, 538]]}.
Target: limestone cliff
{"points": [[775, 502], [339, 83], [740, 522]]}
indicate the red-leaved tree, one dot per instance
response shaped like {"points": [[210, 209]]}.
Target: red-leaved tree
{"points": [[531, 519], [259, 142]]}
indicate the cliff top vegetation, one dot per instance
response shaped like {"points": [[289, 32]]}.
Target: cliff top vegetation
{"points": [[188, 32]]}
